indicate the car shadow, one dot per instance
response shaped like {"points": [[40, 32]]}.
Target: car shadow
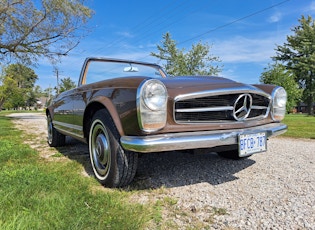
{"points": [[77, 151], [180, 168], [168, 169]]}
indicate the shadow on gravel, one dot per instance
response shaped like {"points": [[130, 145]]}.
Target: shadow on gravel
{"points": [[173, 169], [168, 169], [78, 151]]}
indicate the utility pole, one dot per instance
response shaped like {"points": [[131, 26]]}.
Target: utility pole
{"points": [[56, 71]]}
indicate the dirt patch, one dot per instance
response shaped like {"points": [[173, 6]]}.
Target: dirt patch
{"points": [[34, 126]]}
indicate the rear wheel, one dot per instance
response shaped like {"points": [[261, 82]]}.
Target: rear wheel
{"points": [[54, 138], [112, 165]]}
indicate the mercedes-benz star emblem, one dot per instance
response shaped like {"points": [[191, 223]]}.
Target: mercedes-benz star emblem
{"points": [[242, 107]]}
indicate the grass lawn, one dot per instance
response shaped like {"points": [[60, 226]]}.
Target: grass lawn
{"points": [[300, 126], [40, 194]]}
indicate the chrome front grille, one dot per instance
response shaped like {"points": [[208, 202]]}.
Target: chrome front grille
{"points": [[221, 108]]}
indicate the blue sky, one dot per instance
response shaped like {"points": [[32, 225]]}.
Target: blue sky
{"points": [[243, 33]]}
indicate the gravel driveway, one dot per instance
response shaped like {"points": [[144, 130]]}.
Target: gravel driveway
{"points": [[272, 190]]}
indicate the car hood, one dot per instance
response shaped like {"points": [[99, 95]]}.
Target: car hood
{"points": [[194, 84]]}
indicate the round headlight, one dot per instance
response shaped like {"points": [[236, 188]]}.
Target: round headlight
{"points": [[279, 103], [280, 98], [154, 94]]}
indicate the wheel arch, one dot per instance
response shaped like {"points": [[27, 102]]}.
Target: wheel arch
{"points": [[96, 105]]}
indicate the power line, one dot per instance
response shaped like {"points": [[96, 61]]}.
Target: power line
{"points": [[231, 23], [166, 23], [146, 23], [227, 24]]}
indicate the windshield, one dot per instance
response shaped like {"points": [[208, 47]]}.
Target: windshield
{"points": [[98, 70]]}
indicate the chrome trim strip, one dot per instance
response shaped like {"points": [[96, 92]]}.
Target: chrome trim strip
{"points": [[259, 107], [222, 121], [215, 92], [69, 126], [72, 134], [65, 128], [194, 140], [205, 109]]}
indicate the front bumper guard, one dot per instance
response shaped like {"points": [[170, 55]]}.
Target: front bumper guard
{"points": [[195, 140]]}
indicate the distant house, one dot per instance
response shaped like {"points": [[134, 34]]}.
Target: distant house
{"points": [[302, 107], [42, 102]]}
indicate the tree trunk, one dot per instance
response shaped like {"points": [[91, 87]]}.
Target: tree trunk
{"points": [[310, 107], [1, 103]]}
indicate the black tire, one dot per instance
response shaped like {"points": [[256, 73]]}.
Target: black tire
{"points": [[54, 138], [112, 165], [231, 154]]}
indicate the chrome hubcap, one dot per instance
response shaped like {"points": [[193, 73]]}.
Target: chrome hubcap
{"points": [[100, 151]]}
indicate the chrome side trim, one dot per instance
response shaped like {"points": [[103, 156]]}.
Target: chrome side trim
{"points": [[75, 135], [194, 140], [67, 129], [67, 125]]}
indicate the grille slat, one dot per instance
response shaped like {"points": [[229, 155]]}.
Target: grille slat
{"points": [[205, 109], [218, 108]]}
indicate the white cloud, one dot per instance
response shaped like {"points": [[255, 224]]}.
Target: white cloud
{"points": [[312, 6], [275, 17], [125, 34], [241, 49]]}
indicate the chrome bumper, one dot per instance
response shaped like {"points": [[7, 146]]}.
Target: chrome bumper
{"points": [[195, 140]]}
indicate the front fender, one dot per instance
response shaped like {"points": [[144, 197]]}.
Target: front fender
{"points": [[94, 105]]}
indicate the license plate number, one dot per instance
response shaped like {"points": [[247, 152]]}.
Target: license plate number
{"points": [[252, 143]]}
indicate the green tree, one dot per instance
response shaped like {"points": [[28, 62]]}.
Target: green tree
{"points": [[24, 76], [277, 74], [48, 92], [8, 89], [17, 86], [298, 55], [196, 61], [66, 84], [16, 100], [45, 28], [38, 91]]}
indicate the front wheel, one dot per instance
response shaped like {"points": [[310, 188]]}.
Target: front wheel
{"points": [[112, 165]]}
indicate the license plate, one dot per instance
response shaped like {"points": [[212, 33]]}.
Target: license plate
{"points": [[251, 143]]}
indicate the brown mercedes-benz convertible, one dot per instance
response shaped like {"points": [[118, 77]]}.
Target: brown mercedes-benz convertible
{"points": [[121, 108]]}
